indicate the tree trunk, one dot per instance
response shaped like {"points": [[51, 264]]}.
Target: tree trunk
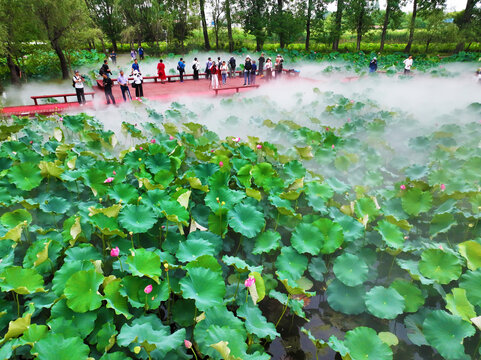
{"points": [[385, 25], [259, 44], [216, 30], [229, 25], [114, 44], [359, 30], [204, 24], [308, 24], [280, 5], [337, 25], [407, 49], [467, 17], [427, 45], [62, 59], [103, 45], [15, 80]]}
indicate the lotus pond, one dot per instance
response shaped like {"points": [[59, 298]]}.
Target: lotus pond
{"points": [[344, 229]]}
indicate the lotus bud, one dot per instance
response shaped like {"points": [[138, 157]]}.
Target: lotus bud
{"points": [[131, 233], [222, 203], [403, 187], [137, 349], [171, 137], [148, 289], [166, 266], [140, 198], [187, 344], [141, 148], [249, 281], [259, 146]]}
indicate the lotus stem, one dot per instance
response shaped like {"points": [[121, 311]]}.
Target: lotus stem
{"points": [[277, 220], [283, 312], [15, 295], [120, 263], [103, 244], [195, 355], [238, 245], [132, 240], [390, 268], [237, 288]]}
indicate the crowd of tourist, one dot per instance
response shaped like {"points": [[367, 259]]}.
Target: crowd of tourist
{"points": [[216, 71]]}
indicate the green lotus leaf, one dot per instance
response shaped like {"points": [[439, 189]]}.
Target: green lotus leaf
{"points": [[414, 328], [363, 343], [56, 205], [123, 192], [384, 303], [144, 263], [294, 170], [204, 286], [193, 248], [350, 269], [266, 242], [240, 264], [22, 281], [174, 212], [104, 339], [471, 282], [262, 172], [391, 234], [26, 176], [255, 322], [137, 218], [205, 261], [246, 220], [224, 194], [317, 189], [145, 329], [459, 305], [415, 201], [215, 334], [306, 239], [55, 346], [291, 264], [331, 235], [81, 291], [388, 338], [14, 218], [157, 163], [413, 297], [440, 265], [66, 271], [337, 185], [346, 299], [115, 300], [441, 223], [471, 251], [133, 288], [446, 334], [366, 206], [317, 268], [183, 312]]}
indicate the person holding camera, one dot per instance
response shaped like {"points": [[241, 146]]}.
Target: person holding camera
{"points": [[78, 84], [108, 83]]}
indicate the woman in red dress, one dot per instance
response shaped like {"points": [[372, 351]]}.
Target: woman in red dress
{"points": [[161, 71]]}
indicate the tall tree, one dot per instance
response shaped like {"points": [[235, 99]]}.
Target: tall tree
{"points": [[392, 7], [359, 18], [204, 24], [280, 14], [217, 11], [58, 19], [466, 20], [227, 9], [255, 17], [336, 34], [313, 11], [106, 15]]}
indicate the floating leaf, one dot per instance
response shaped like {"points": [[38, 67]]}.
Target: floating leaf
{"points": [[346, 299], [26, 176], [440, 265], [22, 281], [81, 291], [364, 343], [350, 269], [415, 201], [391, 234], [413, 297], [266, 242], [459, 305], [137, 218], [246, 220], [384, 303], [204, 286], [471, 251]]}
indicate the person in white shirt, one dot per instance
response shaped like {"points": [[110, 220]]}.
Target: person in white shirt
{"points": [[78, 82], [224, 70], [124, 86], [137, 83], [407, 64], [196, 68]]}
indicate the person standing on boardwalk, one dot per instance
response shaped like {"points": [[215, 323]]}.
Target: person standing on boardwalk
{"points": [[262, 61], [407, 65], [124, 86], [224, 69], [268, 69], [373, 65], [208, 65], [247, 71], [113, 57], [219, 73], [133, 54], [181, 69], [78, 82], [141, 52], [135, 66], [107, 82], [278, 66], [214, 77], [105, 69], [161, 71], [232, 66], [137, 84], [253, 72], [196, 68]]}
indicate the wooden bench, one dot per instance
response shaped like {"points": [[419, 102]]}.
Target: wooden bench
{"points": [[236, 88], [35, 98]]}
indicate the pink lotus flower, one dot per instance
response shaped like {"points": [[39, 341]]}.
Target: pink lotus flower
{"points": [[441, 247], [333, 146], [348, 120], [171, 137], [148, 289], [108, 180], [61, 118], [403, 187], [187, 344], [249, 281], [212, 151], [115, 252], [259, 146], [443, 187], [352, 101], [327, 129], [221, 163], [31, 142], [113, 172], [406, 237], [152, 141], [236, 139], [141, 148]]}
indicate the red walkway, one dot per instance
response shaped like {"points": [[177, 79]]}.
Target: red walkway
{"points": [[154, 91]]}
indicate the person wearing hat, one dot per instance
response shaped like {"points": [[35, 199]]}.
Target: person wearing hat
{"points": [[373, 65], [247, 71], [78, 83]]}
